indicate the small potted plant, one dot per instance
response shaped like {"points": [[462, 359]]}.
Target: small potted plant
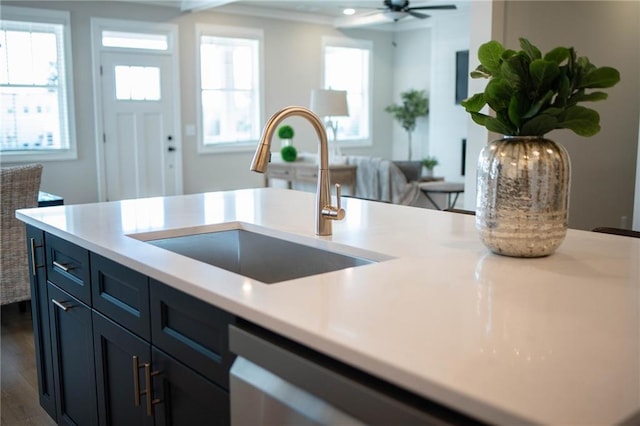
{"points": [[429, 163], [523, 178], [415, 104], [287, 151]]}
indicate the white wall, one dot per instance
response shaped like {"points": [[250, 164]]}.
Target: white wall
{"points": [[447, 119], [603, 166], [412, 70]]}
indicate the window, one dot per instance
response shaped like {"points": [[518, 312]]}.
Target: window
{"points": [[36, 96], [347, 65], [230, 87]]}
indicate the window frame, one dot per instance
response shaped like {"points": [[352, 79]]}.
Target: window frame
{"points": [[357, 44], [230, 32], [56, 17]]}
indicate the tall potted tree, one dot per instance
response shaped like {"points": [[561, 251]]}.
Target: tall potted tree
{"points": [[414, 104]]}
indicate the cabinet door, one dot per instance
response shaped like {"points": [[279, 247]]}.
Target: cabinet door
{"points": [[192, 331], [40, 317], [73, 363], [120, 376], [186, 398]]}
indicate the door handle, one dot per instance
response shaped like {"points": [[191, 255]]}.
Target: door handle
{"points": [[171, 149]]}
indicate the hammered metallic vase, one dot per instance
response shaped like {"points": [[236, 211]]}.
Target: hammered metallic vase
{"points": [[522, 203]]}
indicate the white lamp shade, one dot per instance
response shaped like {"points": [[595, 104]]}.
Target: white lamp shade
{"points": [[329, 103]]}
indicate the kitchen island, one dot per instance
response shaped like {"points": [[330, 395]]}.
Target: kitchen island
{"points": [[553, 340]]}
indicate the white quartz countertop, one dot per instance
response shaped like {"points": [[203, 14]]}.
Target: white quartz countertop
{"points": [[553, 340]]}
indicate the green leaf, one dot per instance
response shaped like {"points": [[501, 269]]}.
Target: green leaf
{"points": [[475, 103], [583, 121], [480, 72], [531, 51], [538, 105], [479, 118], [543, 73], [516, 69], [589, 97], [564, 89], [495, 125], [539, 125], [557, 55], [498, 93], [515, 111], [489, 55], [600, 78]]}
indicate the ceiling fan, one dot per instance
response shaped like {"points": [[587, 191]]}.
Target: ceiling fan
{"points": [[393, 10]]}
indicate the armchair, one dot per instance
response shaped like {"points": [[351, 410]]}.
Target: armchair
{"points": [[18, 189]]}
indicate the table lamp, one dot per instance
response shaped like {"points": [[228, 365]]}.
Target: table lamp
{"points": [[328, 104]]}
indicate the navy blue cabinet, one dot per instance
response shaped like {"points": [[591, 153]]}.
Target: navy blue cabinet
{"points": [[73, 363], [116, 348], [40, 318]]}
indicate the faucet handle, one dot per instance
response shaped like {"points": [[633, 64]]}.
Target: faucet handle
{"points": [[335, 213]]}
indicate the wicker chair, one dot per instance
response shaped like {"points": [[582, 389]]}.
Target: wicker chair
{"points": [[18, 189]]}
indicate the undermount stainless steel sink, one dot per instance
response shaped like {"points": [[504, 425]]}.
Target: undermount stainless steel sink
{"points": [[257, 256]]}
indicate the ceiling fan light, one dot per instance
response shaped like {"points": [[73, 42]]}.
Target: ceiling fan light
{"points": [[349, 11], [393, 15]]}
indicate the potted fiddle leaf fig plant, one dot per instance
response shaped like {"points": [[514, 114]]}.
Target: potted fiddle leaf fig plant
{"points": [[523, 178], [414, 104]]}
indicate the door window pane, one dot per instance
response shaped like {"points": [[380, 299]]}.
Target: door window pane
{"points": [[134, 83]]}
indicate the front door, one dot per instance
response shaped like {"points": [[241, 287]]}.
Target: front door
{"points": [[138, 114]]}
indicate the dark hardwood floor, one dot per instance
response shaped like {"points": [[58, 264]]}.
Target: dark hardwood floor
{"points": [[18, 390]]}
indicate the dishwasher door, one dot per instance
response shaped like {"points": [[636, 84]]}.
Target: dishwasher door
{"points": [[259, 397], [275, 381]]}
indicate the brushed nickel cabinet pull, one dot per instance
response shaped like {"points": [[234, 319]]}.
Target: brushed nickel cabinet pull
{"points": [[33, 245], [65, 268], [149, 391], [136, 382], [60, 305]]}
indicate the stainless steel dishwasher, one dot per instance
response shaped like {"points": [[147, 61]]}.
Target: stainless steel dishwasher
{"points": [[275, 381]]}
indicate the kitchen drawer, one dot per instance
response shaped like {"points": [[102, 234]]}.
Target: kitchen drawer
{"points": [[68, 267], [121, 294], [194, 332], [307, 174]]}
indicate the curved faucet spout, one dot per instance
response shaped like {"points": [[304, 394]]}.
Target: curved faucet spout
{"points": [[325, 212]]}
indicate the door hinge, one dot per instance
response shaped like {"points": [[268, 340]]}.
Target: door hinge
{"points": [[104, 138], [100, 70]]}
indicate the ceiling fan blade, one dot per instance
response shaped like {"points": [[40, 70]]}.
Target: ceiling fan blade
{"points": [[417, 15], [443, 7]]}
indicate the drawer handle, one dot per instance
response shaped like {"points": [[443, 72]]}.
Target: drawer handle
{"points": [[60, 305], [33, 245], [148, 374], [65, 268]]}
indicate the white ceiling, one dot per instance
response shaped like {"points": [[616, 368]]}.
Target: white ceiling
{"points": [[319, 11]]}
